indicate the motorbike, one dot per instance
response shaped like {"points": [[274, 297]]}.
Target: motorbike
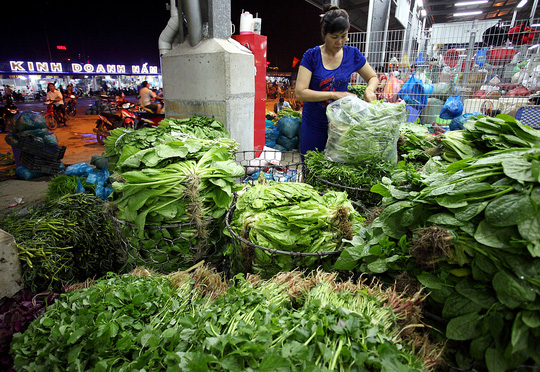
{"points": [[54, 116], [71, 105], [150, 116], [7, 114], [123, 118]]}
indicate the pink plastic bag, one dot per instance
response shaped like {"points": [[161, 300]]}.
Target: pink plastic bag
{"points": [[392, 88]]}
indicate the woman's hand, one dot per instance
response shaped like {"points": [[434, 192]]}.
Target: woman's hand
{"points": [[338, 95], [369, 95]]}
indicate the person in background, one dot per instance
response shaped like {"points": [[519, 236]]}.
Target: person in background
{"points": [[56, 97], [324, 74], [281, 105], [68, 93], [147, 98]]}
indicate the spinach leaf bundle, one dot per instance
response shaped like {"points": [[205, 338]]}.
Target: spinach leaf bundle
{"points": [[484, 134], [473, 231], [198, 126]]}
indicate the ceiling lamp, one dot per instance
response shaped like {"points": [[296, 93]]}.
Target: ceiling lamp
{"points": [[465, 14], [467, 3], [522, 4]]}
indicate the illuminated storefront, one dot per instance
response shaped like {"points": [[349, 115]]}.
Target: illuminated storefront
{"points": [[29, 77]]}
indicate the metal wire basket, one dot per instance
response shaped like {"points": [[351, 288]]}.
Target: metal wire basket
{"points": [[170, 247], [272, 164], [245, 257]]}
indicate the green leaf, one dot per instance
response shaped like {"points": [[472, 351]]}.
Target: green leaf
{"points": [[430, 281], [510, 290], [274, 363], [495, 237], [509, 209], [495, 360], [475, 292], [76, 334], [531, 318], [169, 333], [465, 327], [457, 305], [445, 219], [518, 169], [519, 335], [479, 346]]}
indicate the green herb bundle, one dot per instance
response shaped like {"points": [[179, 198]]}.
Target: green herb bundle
{"points": [[356, 180], [64, 240], [62, 184], [484, 134], [357, 89], [287, 111], [177, 322], [474, 231], [291, 217]]}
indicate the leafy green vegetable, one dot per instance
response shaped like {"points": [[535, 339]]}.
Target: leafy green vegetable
{"points": [[359, 131], [357, 89], [356, 180], [177, 322], [64, 240], [198, 126], [291, 217]]}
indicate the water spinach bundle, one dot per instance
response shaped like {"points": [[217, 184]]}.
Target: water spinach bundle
{"points": [[194, 321], [64, 240], [472, 229], [291, 217]]}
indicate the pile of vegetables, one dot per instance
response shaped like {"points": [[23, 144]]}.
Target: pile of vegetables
{"points": [[356, 180], [16, 314], [484, 134], [195, 321], [173, 183], [64, 240], [62, 184], [361, 132], [291, 217], [287, 111], [357, 89], [199, 126], [470, 232], [154, 148], [192, 193], [417, 144]]}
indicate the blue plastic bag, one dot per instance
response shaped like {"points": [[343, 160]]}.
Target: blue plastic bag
{"points": [[453, 107], [481, 57], [80, 188], [458, 122], [26, 174], [79, 169], [289, 126], [413, 93]]}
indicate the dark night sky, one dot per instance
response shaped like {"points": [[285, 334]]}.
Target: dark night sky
{"points": [[128, 31]]}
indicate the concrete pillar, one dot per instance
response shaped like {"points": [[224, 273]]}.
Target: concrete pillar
{"points": [[10, 267], [215, 78]]}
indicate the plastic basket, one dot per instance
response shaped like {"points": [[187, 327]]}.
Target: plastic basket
{"points": [[245, 258], [273, 164], [32, 145], [169, 247], [41, 165]]}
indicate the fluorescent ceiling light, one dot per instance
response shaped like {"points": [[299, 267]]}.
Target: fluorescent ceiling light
{"points": [[467, 3], [420, 3], [423, 13], [464, 14], [521, 4], [534, 47], [535, 25]]}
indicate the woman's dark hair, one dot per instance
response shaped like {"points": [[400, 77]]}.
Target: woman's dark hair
{"points": [[334, 20]]}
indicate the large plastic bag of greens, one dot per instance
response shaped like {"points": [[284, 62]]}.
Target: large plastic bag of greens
{"points": [[359, 131]]}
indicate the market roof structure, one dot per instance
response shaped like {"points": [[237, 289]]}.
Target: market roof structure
{"points": [[441, 11]]}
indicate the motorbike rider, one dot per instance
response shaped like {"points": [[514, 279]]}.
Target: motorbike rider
{"points": [[56, 97], [68, 93], [146, 97]]}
